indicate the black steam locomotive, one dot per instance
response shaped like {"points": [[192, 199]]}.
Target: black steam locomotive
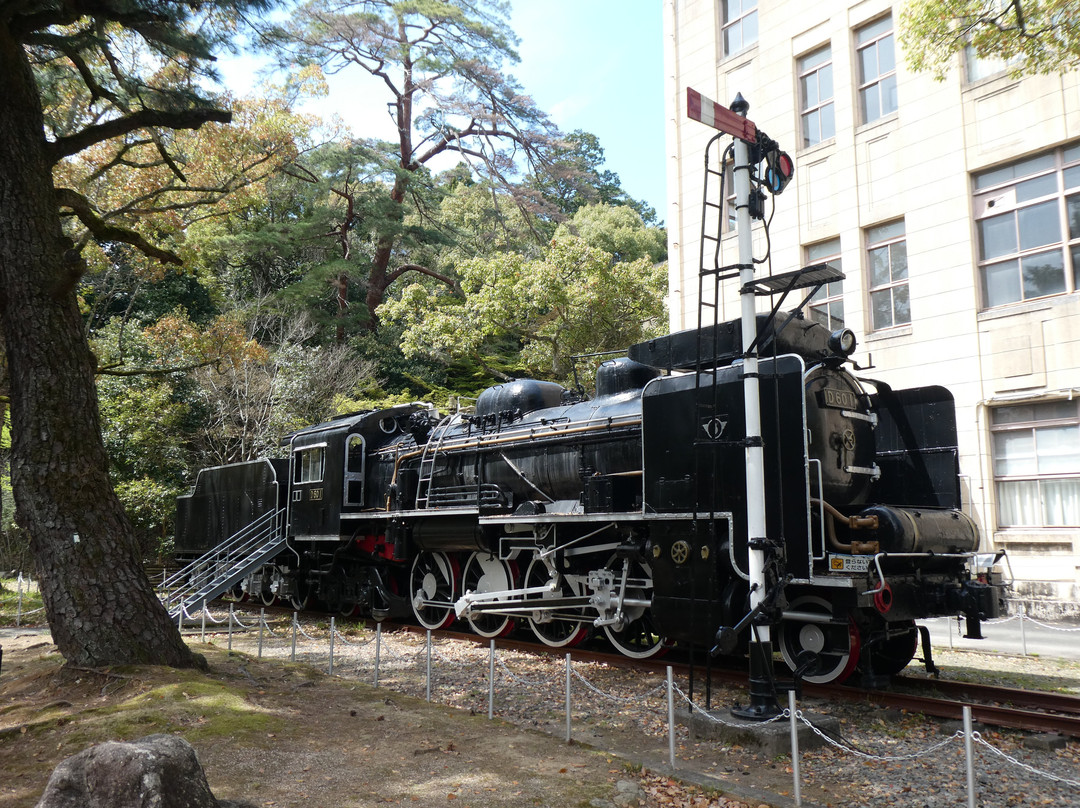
{"points": [[624, 512]]}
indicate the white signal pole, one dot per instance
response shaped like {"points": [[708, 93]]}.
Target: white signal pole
{"points": [[760, 637], [734, 122]]}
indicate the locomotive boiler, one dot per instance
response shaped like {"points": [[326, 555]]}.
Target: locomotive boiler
{"points": [[623, 513]]}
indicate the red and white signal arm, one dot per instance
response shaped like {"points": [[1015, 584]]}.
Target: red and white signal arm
{"points": [[708, 112]]}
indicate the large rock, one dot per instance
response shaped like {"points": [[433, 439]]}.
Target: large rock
{"points": [[159, 771]]}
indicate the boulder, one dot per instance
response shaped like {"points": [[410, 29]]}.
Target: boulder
{"points": [[159, 771]]}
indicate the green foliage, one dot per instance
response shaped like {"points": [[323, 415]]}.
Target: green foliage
{"points": [[617, 230], [573, 298], [575, 177], [27, 608], [1030, 36]]}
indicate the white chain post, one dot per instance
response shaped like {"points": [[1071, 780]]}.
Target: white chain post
{"points": [[671, 718], [568, 698], [333, 628], [795, 748], [969, 755], [378, 650]]}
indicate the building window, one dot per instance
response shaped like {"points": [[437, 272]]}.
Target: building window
{"points": [[886, 253], [877, 69], [1027, 217], [308, 465], [740, 25], [1036, 450], [827, 304], [981, 67], [816, 96]]}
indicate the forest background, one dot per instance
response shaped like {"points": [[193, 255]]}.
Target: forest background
{"points": [[245, 279]]}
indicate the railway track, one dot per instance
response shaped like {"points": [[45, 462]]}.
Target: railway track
{"points": [[991, 705]]}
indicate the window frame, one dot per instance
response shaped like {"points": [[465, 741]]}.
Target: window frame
{"points": [[865, 84], [804, 72], [893, 284], [737, 22], [995, 200], [309, 464], [822, 304], [1041, 479]]}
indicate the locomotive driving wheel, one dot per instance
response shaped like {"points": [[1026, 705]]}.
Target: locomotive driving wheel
{"points": [[267, 596], [432, 583], [486, 573], [636, 635], [300, 600], [833, 640], [892, 655], [557, 626]]}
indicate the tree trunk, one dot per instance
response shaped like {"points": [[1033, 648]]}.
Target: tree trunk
{"points": [[377, 282], [98, 601]]}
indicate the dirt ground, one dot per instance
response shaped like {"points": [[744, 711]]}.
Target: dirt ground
{"points": [[281, 734]]}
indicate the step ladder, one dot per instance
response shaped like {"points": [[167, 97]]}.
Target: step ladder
{"points": [[427, 460], [224, 566]]}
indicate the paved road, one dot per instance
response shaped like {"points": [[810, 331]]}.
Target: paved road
{"points": [[1048, 639]]}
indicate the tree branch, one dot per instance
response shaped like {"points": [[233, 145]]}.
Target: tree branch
{"points": [[423, 270], [102, 231], [116, 369], [180, 119]]}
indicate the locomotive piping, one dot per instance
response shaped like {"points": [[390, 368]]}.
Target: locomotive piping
{"points": [[854, 523]]}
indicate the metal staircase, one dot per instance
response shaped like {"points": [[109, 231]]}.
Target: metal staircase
{"points": [[226, 565]]}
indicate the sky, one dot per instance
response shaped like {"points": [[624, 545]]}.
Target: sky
{"points": [[595, 65]]}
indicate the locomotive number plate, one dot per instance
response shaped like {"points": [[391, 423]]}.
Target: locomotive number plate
{"points": [[315, 494], [839, 399], [848, 563]]}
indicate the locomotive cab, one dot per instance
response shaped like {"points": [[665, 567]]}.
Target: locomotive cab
{"points": [[329, 470]]}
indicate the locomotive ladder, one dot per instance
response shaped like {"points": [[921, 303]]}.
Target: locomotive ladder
{"points": [[225, 565], [427, 460]]}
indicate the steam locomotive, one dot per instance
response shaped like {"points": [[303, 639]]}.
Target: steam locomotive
{"points": [[624, 512]]}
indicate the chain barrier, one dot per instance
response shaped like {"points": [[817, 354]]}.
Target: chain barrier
{"points": [[694, 708], [1052, 628], [387, 652], [356, 645], [958, 735], [237, 622], [557, 682], [300, 628], [1026, 766], [435, 655], [270, 631], [618, 699], [211, 617], [30, 587], [997, 621]]}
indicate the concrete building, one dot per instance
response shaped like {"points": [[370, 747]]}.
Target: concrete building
{"points": [[953, 208]]}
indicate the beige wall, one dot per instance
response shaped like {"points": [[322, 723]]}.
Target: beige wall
{"points": [[914, 164]]}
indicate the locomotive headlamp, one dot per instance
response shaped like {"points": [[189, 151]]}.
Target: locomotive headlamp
{"points": [[842, 342]]}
